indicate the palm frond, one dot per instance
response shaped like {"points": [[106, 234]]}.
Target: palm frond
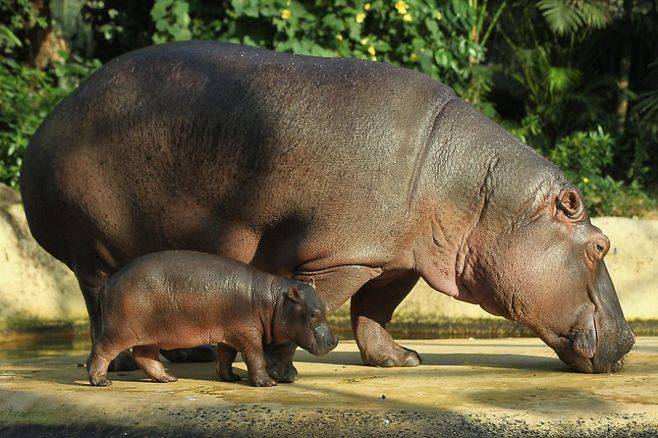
{"points": [[568, 16], [561, 15]]}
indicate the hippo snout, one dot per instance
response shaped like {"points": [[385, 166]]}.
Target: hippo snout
{"points": [[611, 354], [325, 340]]}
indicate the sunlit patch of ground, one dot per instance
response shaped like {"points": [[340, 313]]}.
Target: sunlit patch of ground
{"points": [[463, 387]]}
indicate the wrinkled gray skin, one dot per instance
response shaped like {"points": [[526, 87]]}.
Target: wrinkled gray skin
{"points": [[178, 299], [359, 175]]}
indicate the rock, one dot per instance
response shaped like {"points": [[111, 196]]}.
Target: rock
{"points": [[35, 289]]}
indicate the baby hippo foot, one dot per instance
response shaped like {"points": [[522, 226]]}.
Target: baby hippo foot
{"points": [[393, 356], [204, 353], [164, 378], [148, 359], [283, 373], [263, 380], [279, 363], [225, 358], [228, 376], [100, 380]]}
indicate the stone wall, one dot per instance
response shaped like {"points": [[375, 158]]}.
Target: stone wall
{"points": [[35, 289]]}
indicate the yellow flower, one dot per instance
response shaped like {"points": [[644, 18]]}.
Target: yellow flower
{"points": [[438, 15], [372, 51], [285, 14], [367, 6], [586, 180], [339, 37], [413, 57], [407, 18], [402, 7], [360, 17], [364, 41]]}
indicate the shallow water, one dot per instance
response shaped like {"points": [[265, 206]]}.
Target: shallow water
{"points": [[47, 346]]}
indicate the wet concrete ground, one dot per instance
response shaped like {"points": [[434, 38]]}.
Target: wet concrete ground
{"points": [[500, 387]]}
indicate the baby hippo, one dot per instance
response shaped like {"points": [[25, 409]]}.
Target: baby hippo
{"points": [[182, 299]]}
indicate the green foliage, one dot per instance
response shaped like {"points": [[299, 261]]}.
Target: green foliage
{"points": [[434, 38], [26, 97], [584, 157], [18, 17], [172, 20], [566, 16]]}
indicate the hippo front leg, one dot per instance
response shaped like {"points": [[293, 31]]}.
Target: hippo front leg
{"points": [[279, 362], [254, 358], [371, 309]]}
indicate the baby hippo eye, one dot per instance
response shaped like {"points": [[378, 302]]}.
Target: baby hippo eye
{"points": [[315, 314]]}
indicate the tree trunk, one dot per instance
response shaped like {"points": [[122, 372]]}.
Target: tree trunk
{"points": [[624, 69]]}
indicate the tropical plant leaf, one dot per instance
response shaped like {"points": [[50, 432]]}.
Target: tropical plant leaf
{"points": [[561, 15], [568, 16]]}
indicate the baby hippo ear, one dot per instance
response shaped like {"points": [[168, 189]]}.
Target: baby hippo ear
{"points": [[294, 294], [311, 282]]}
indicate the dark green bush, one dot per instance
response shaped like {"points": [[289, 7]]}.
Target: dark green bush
{"points": [[584, 156], [26, 97]]}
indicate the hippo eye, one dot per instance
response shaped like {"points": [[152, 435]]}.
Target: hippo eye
{"points": [[315, 314]]}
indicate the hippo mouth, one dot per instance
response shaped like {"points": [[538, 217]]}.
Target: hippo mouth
{"points": [[571, 353]]}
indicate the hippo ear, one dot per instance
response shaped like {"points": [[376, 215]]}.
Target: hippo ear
{"points": [[569, 204], [294, 294]]}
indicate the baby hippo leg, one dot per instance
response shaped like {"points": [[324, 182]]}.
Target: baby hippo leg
{"points": [[102, 354], [225, 357], [252, 351], [147, 358]]}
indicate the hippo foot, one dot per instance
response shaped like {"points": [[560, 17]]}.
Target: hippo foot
{"points": [[204, 353], [123, 362], [283, 372], [279, 362], [100, 381], [263, 381], [229, 377], [165, 378], [398, 357]]}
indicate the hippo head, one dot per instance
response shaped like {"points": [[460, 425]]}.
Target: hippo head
{"points": [[546, 271], [304, 319]]}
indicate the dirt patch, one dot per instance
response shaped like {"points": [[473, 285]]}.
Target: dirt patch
{"points": [[463, 388]]}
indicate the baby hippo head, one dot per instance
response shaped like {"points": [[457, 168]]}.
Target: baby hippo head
{"points": [[304, 319]]}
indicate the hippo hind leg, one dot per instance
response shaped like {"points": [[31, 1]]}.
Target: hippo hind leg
{"points": [[147, 358], [91, 282], [101, 355], [225, 358], [371, 309]]}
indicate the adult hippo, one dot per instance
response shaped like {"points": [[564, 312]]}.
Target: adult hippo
{"points": [[360, 175]]}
